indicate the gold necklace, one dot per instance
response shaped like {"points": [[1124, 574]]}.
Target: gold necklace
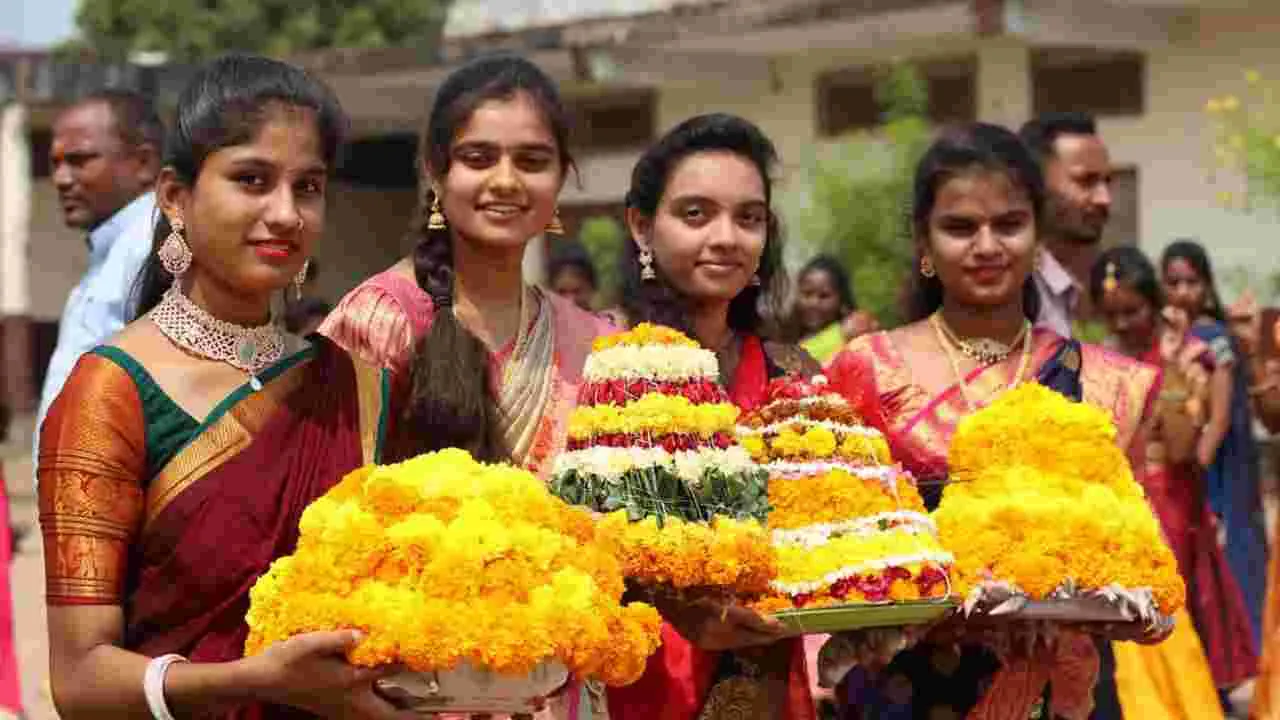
{"points": [[985, 351], [946, 344]]}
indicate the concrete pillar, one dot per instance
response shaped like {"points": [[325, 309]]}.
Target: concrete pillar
{"points": [[15, 223], [1004, 83]]}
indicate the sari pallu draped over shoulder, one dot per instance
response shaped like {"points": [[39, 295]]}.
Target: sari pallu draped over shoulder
{"points": [[920, 425], [179, 536]]}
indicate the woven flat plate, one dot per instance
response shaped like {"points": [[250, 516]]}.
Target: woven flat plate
{"points": [[855, 617]]}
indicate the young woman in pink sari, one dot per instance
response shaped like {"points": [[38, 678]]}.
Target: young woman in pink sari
{"points": [[706, 253], [488, 363], [177, 461], [483, 361], [978, 197]]}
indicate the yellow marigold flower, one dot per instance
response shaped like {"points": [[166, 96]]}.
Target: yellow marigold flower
{"points": [[441, 560], [1230, 103], [644, 334], [1027, 510], [1213, 106], [1253, 77]]}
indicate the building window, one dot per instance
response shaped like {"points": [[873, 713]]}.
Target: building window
{"points": [[847, 97], [384, 161], [614, 121], [1092, 81], [1123, 227]]}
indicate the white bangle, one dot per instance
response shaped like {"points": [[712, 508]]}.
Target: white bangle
{"points": [[153, 685]]}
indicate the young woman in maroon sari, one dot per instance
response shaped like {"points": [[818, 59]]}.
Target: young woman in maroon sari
{"points": [[977, 204], [1124, 286], [177, 461], [706, 253]]}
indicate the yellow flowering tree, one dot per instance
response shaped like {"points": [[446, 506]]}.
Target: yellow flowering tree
{"points": [[1247, 140], [1246, 132]]}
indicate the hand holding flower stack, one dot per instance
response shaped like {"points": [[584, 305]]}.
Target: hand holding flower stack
{"points": [[652, 446], [442, 561]]}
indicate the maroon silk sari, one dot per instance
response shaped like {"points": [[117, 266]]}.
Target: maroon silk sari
{"points": [[682, 682], [180, 544]]}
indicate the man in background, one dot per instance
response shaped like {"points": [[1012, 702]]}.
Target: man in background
{"points": [[105, 158], [1077, 173]]}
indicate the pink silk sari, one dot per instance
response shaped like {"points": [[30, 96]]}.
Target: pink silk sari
{"points": [[381, 321], [10, 687]]}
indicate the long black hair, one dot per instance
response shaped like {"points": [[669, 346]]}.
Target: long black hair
{"points": [[450, 404], [225, 104], [657, 301], [960, 150], [1130, 266], [1195, 256]]}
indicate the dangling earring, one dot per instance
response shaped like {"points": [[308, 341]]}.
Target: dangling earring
{"points": [[435, 221], [1110, 282], [646, 266], [755, 280], [301, 279], [174, 253], [555, 227], [926, 268]]}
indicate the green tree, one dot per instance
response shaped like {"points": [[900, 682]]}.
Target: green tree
{"points": [[190, 30], [853, 198], [603, 236]]}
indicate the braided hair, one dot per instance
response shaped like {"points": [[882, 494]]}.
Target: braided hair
{"points": [[450, 404]]}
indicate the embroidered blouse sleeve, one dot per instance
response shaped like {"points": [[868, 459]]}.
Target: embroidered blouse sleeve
{"points": [[371, 324], [92, 461]]}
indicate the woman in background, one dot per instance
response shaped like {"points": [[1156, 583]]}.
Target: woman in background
{"points": [[1126, 291], [1227, 450], [825, 314]]}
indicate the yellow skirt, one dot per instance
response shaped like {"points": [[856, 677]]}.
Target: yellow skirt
{"points": [[1168, 681]]}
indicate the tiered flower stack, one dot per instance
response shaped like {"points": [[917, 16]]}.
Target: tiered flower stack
{"points": [[447, 563], [847, 524], [1043, 506], [652, 446]]}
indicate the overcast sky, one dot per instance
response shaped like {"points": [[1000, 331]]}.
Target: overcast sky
{"points": [[39, 22]]}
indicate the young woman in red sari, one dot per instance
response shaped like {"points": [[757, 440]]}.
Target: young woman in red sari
{"points": [[706, 254], [1126, 289], [177, 461], [977, 201]]}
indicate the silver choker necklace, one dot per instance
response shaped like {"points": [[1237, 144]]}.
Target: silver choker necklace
{"points": [[189, 327]]}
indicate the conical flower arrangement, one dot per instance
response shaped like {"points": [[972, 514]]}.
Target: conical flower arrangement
{"points": [[652, 447]]}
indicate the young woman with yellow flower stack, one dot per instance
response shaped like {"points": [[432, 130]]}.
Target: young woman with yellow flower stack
{"points": [[177, 461], [978, 199], [487, 363], [706, 254]]}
